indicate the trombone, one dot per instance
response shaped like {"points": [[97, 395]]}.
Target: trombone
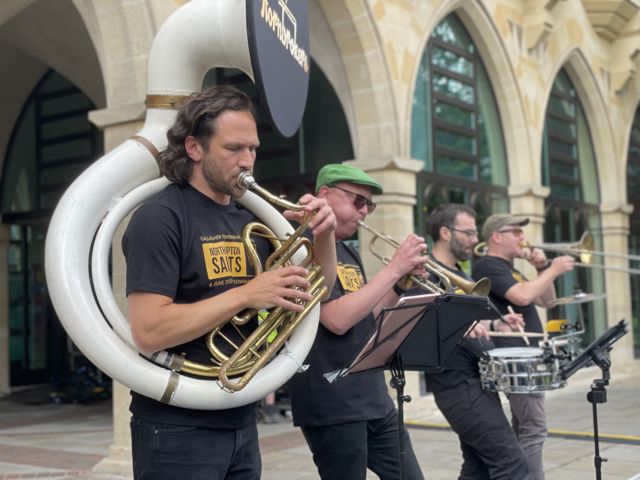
{"points": [[447, 278], [582, 250]]}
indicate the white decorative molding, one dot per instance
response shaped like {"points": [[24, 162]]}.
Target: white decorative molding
{"points": [[108, 117], [610, 17], [623, 69], [538, 22], [371, 164], [538, 191], [624, 208]]}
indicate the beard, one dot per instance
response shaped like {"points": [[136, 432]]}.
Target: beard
{"points": [[459, 250], [219, 180]]}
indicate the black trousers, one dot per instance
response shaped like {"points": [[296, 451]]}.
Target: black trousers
{"points": [[490, 448], [170, 452], [345, 451]]}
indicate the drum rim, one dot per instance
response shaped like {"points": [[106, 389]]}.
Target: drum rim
{"points": [[516, 352]]}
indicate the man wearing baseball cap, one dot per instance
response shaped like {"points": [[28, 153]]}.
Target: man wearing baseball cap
{"points": [[352, 425], [512, 291]]}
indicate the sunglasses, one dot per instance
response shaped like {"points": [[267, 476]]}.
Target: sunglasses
{"points": [[358, 200], [515, 231]]}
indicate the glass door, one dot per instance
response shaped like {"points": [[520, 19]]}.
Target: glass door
{"points": [[31, 317]]}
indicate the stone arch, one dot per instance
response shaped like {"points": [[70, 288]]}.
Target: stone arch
{"points": [[326, 55], [499, 68], [375, 133], [61, 43], [591, 98], [628, 112], [122, 34]]}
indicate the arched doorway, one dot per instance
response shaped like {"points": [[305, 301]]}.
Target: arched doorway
{"points": [[52, 142]]}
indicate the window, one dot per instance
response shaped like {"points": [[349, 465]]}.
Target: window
{"points": [[53, 142], [569, 169], [633, 190], [455, 127]]}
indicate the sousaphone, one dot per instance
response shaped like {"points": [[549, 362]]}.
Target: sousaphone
{"points": [[200, 35]]}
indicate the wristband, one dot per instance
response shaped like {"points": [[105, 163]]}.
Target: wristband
{"points": [[543, 268], [491, 326]]}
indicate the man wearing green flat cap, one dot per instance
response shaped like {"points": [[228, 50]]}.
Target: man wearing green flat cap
{"points": [[352, 425]]}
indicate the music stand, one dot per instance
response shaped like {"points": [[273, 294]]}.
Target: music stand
{"points": [[418, 333]]}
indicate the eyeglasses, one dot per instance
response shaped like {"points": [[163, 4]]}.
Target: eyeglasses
{"points": [[358, 200], [468, 233], [515, 231]]}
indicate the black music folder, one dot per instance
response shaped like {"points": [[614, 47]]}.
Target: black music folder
{"points": [[423, 330]]}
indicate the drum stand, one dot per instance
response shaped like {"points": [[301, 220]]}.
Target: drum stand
{"points": [[598, 394]]}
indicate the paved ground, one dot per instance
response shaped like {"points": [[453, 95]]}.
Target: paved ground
{"points": [[67, 441]]}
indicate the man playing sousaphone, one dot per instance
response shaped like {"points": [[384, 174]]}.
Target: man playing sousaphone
{"points": [[512, 291], [188, 272]]}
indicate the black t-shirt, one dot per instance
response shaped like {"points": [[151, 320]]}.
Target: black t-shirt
{"points": [[357, 397], [462, 364], [503, 276], [183, 245]]}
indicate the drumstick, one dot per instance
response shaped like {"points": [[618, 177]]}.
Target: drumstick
{"points": [[515, 334], [520, 329]]}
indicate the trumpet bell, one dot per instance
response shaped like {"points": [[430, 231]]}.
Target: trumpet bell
{"points": [[448, 279], [481, 288], [583, 248]]}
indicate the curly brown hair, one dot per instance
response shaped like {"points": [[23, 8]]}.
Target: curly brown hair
{"points": [[197, 118]]}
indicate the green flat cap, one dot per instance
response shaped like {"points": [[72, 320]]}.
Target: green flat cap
{"points": [[499, 220], [341, 172]]}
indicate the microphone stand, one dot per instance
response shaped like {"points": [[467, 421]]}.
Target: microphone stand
{"points": [[596, 352], [598, 394], [397, 383]]}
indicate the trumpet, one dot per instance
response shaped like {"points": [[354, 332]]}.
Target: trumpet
{"points": [[447, 278], [582, 250]]}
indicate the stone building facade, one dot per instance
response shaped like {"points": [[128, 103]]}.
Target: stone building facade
{"points": [[527, 106]]}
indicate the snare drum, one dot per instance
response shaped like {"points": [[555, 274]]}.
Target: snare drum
{"points": [[519, 370]]}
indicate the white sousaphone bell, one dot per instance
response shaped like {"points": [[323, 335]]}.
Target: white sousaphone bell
{"points": [[200, 35]]}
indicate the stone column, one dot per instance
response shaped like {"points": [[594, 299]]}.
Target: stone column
{"points": [[118, 125], [4, 307], [394, 214], [528, 200], [615, 236], [393, 217]]}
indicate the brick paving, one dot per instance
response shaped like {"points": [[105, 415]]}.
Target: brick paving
{"points": [[43, 440]]}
